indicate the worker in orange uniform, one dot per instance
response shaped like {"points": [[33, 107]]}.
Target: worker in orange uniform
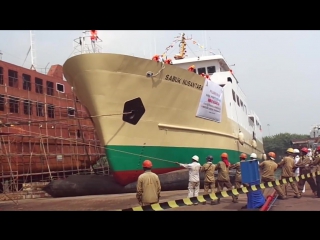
{"points": [[168, 61], [287, 165], [237, 167], [192, 68], [148, 186], [156, 58], [316, 163], [209, 180], [223, 178], [268, 168], [194, 176], [305, 167]]}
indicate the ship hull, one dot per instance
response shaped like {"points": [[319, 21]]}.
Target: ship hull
{"points": [[168, 132]]}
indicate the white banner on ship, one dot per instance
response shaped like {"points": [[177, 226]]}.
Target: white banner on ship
{"points": [[210, 106]]}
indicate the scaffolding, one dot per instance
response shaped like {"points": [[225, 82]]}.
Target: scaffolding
{"points": [[45, 132]]}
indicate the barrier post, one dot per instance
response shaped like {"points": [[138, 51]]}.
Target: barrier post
{"points": [[251, 175]]}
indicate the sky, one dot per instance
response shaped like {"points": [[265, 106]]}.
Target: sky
{"points": [[277, 70]]}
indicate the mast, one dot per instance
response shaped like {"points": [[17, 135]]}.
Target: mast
{"points": [[183, 45], [32, 53]]}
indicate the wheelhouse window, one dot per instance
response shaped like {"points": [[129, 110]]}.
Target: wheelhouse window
{"points": [[50, 88], [50, 111], [201, 70], [2, 102], [14, 105], [1, 75], [211, 70], [40, 109], [26, 79], [39, 85], [13, 78], [27, 107]]}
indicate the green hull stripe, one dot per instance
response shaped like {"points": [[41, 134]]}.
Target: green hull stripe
{"points": [[125, 158]]}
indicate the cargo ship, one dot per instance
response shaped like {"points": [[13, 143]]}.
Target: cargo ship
{"points": [[171, 109]]}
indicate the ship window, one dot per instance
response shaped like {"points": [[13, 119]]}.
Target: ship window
{"points": [[49, 88], [13, 78], [222, 85], [238, 100], [1, 76], [229, 79], [245, 108], [254, 135], [13, 105], [26, 82], [241, 103], [201, 70], [71, 112], [233, 95], [60, 87], [39, 85], [40, 109], [2, 102], [211, 70], [27, 107], [50, 111]]}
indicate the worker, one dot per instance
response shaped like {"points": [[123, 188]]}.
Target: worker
{"points": [[305, 167], [192, 68], [297, 171], [237, 167], [287, 165], [309, 154], [268, 168], [209, 180], [223, 178], [148, 186], [168, 61], [316, 163], [194, 176]]}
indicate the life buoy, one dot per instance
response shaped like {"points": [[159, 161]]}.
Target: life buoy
{"points": [[241, 138], [254, 143], [156, 58]]}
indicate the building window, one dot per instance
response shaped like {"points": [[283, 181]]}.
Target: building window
{"points": [[234, 95], [50, 111], [13, 105], [78, 133], [39, 85], [71, 112], [60, 87], [50, 88], [211, 70], [13, 78], [2, 102], [1, 76], [40, 109], [26, 82], [27, 107], [201, 70]]}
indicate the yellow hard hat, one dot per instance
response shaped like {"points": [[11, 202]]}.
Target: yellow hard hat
{"points": [[290, 150]]}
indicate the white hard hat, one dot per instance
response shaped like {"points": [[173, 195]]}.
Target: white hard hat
{"points": [[196, 158], [309, 149], [296, 151], [253, 155]]}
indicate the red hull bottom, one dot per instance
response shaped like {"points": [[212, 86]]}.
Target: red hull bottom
{"points": [[127, 177]]}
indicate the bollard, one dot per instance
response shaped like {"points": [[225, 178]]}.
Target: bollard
{"points": [[251, 175]]}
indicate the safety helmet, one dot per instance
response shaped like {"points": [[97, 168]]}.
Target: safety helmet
{"points": [[224, 155], [253, 155], [243, 156], [290, 150], [192, 66], [318, 148], [309, 149], [196, 158], [296, 151], [304, 149], [209, 158], [272, 155], [147, 164]]}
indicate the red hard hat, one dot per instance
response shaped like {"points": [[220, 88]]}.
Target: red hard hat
{"points": [[147, 164], [243, 156], [304, 150], [318, 148], [224, 155]]}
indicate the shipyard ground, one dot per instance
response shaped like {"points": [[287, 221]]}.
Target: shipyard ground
{"points": [[120, 201]]}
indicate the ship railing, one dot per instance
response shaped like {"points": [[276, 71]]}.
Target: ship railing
{"points": [[84, 45]]}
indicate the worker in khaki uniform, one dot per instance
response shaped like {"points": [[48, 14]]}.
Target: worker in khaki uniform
{"points": [[148, 186], [268, 167], [287, 165], [209, 181], [194, 176], [316, 163], [223, 178], [237, 167], [305, 167]]}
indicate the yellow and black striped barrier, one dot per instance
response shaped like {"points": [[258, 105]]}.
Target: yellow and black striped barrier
{"points": [[215, 196]]}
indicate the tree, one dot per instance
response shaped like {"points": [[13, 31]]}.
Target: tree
{"points": [[279, 143]]}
